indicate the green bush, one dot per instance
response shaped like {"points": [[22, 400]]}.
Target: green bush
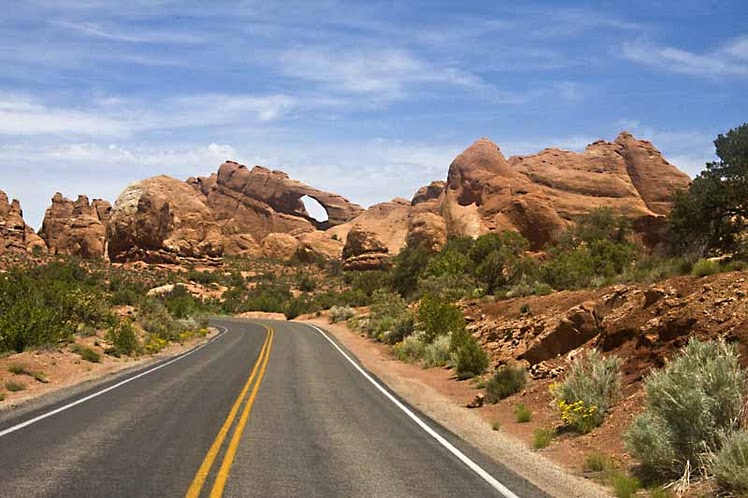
{"points": [[541, 438], [705, 267], [436, 317], [691, 404], [625, 486], [341, 313], [124, 338], [411, 348], [437, 353], [522, 413], [730, 464], [87, 353], [400, 327], [598, 463], [14, 386], [507, 380], [470, 359], [588, 390]]}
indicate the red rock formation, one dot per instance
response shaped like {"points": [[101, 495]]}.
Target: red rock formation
{"points": [[76, 228], [364, 251], [541, 194], [15, 234]]}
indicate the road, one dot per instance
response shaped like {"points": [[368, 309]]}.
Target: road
{"points": [[266, 409]]}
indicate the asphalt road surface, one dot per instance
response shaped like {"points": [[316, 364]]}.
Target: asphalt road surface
{"points": [[265, 409]]}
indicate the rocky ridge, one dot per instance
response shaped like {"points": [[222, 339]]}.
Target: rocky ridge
{"points": [[234, 211]]}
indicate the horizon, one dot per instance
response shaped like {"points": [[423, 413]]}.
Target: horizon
{"points": [[348, 96]]}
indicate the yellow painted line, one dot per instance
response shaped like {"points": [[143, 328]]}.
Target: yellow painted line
{"points": [[202, 474], [228, 459]]}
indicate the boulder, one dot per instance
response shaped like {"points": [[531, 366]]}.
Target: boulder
{"points": [[279, 246], [364, 251], [163, 220]]}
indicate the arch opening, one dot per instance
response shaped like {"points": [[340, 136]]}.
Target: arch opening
{"points": [[315, 210]]}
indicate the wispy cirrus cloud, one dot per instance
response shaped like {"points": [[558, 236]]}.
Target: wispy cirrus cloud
{"points": [[388, 73], [729, 59], [129, 34]]}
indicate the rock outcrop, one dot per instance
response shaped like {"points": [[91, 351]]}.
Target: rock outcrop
{"points": [[541, 194], [364, 251], [231, 212], [76, 228], [15, 234]]}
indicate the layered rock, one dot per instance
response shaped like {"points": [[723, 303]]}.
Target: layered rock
{"points": [[364, 251], [231, 212], [261, 201], [541, 194], [76, 228], [15, 234]]}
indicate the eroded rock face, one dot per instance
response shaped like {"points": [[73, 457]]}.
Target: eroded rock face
{"points": [[262, 201], [76, 228], [364, 251], [541, 194], [15, 234], [163, 220]]}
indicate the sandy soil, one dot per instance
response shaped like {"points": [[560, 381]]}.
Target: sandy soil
{"points": [[438, 395], [48, 371]]}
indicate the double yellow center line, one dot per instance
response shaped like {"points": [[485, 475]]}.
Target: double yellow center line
{"points": [[258, 371]]}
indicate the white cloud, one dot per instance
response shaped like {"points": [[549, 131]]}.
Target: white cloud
{"points": [[130, 34], [730, 59], [385, 73], [22, 116]]}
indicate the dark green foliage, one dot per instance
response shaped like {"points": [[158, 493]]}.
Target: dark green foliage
{"points": [[438, 317], [470, 358], [710, 217], [507, 380], [124, 339], [410, 265], [87, 353], [497, 257], [45, 305]]}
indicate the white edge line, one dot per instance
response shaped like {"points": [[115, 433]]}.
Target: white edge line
{"points": [[106, 390], [492, 481]]}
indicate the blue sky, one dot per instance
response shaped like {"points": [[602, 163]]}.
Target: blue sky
{"points": [[368, 99]]}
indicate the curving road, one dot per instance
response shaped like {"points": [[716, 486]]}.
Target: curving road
{"points": [[265, 409]]}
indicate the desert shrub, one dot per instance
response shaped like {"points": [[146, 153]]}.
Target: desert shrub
{"points": [[691, 404], [624, 486], [438, 317], [400, 327], [730, 464], [411, 348], [296, 306], [306, 283], [87, 353], [14, 386], [598, 463], [705, 267], [203, 277], [436, 353], [410, 265], [124, 338], [469, 357], [541, 438], [44, 305], [588, 390], [507, 380], [522, 414], [341, 313], [18, 369]]}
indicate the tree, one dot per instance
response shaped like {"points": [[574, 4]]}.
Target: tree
{"points": [[711, 216], [495, 256]]}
